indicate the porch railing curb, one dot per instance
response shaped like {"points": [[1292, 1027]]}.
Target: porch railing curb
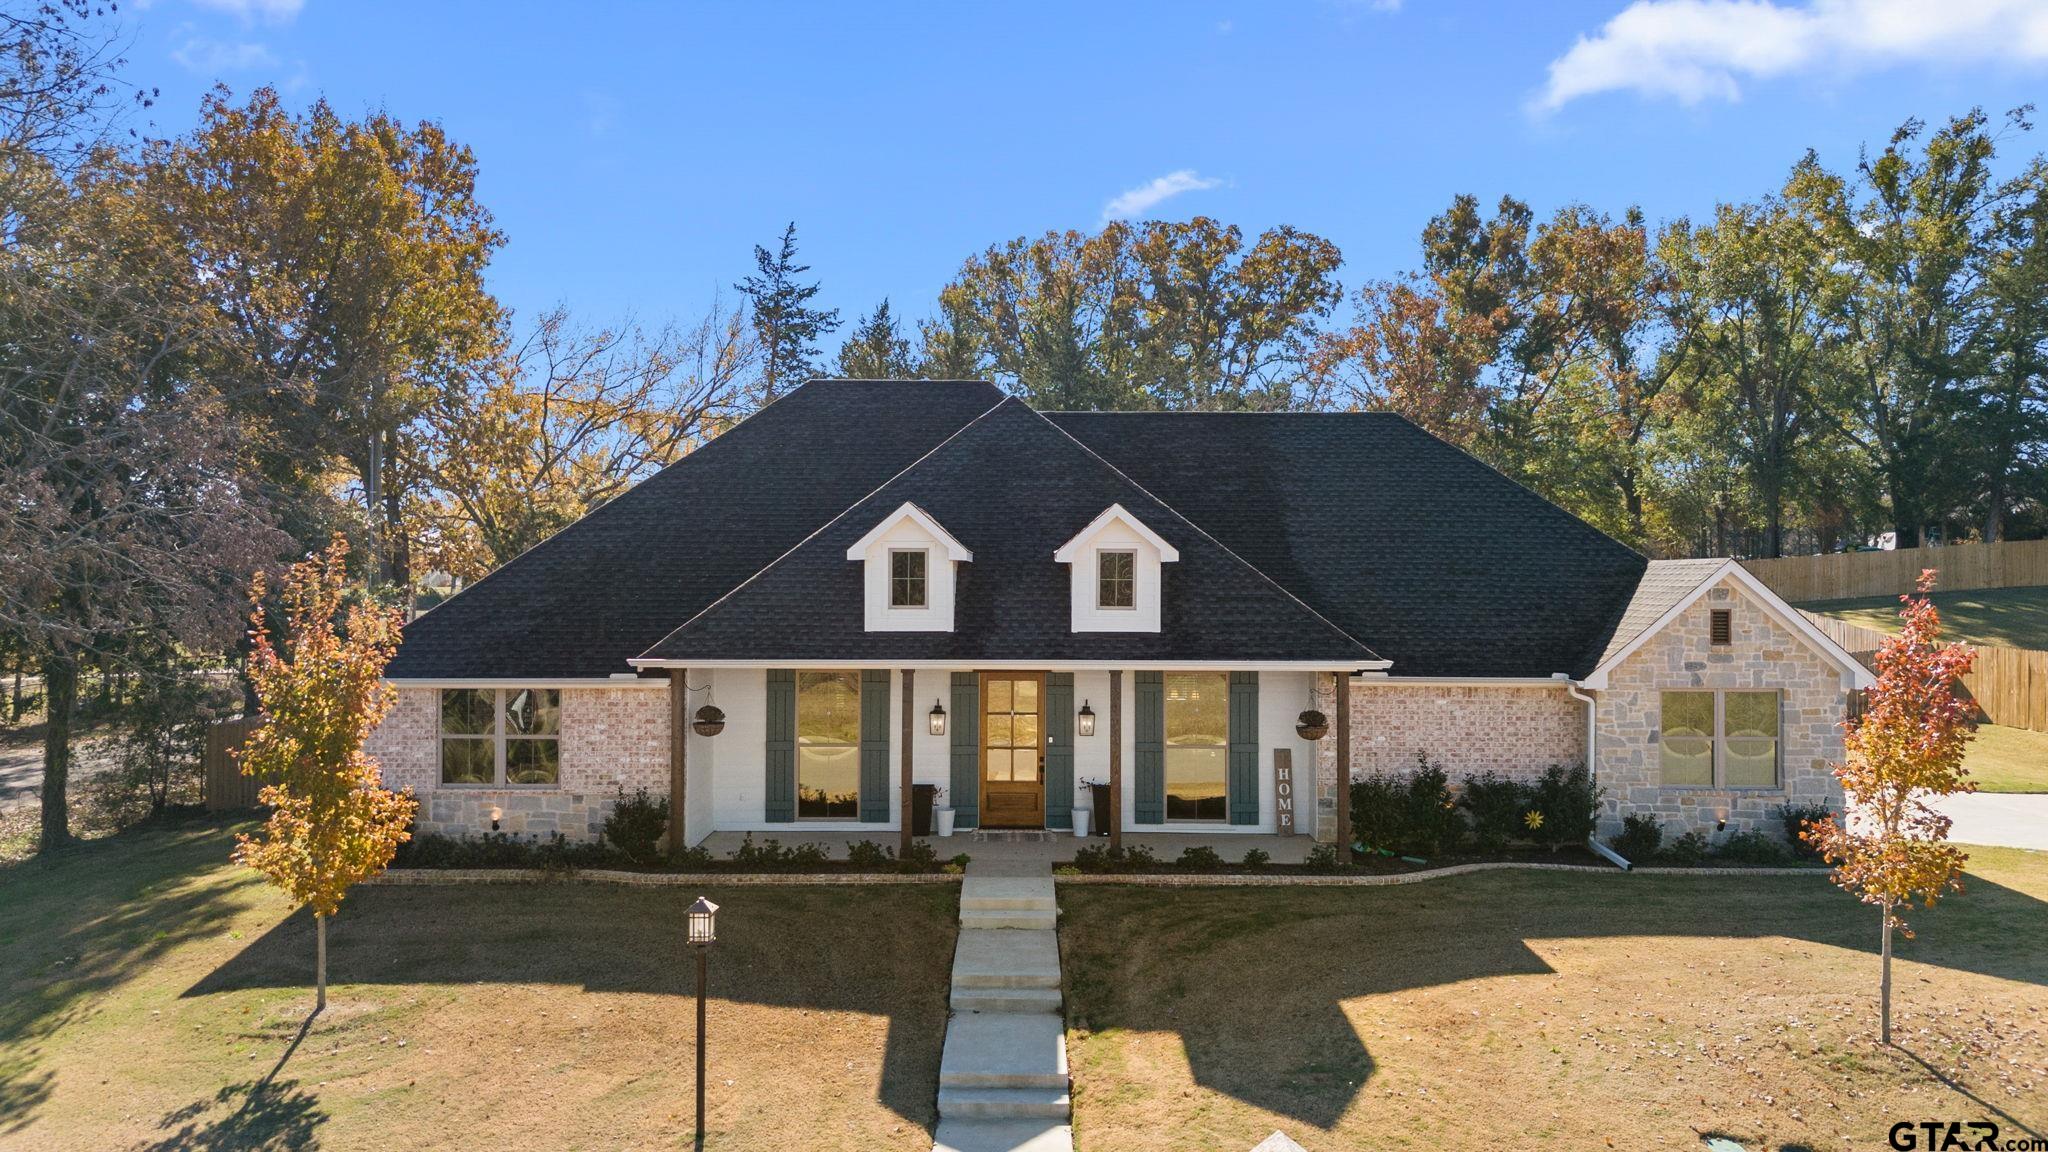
{"points": [[399, 877], [1201, 880]]}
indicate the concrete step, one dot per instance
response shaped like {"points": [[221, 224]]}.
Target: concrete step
{"points": [[1005, 1103], [1032, 1000], [1004, 1050], [1007, 893], [1003, 1136], [1006, 958], [1033, 919]]}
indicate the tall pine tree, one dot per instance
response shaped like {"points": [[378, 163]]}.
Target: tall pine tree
{"points": [[787, 325], [877, 350]]}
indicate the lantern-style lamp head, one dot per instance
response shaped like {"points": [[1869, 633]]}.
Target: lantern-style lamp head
{"points": [[1085, 721], [938, 719], [702, 920]]}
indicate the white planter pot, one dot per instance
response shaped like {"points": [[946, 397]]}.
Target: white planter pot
{"points": [[944, 819], [1081, 816]]}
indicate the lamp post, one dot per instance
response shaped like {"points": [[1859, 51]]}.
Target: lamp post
{"points": [[701, 924]]}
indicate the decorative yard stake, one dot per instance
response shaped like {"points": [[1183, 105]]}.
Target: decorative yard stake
{"points": [[332, 821], [1890, 848]]}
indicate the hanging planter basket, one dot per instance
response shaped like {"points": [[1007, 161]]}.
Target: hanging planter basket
{"points": [[710, 721], [1311, 725]]}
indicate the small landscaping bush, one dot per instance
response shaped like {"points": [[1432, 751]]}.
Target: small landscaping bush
{"points": [[1410, 814], [1256, 859], [1497, 805], [1321, 858], [868, 856], [1754, 847], [635, 825], [1199, 858], [809, 856], [922, 857], [1569, 804], [1103, 858], [501, 850], [1796, 817], [697, 859], [1688, 851], [1379, 811], [1639, 839]]}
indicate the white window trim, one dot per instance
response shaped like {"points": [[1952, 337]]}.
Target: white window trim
{"points": [[498, 739], [1717, 743], [924, 580]]}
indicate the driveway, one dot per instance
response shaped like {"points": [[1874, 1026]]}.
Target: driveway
{"points": [[2010, 820]]}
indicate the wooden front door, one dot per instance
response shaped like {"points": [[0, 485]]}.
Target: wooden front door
{"points": [[1013, 750]]}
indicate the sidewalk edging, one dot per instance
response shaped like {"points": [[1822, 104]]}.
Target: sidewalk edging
{"points": [[404, 877]]}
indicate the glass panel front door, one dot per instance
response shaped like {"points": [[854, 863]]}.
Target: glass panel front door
{"points": [[1012, 750]]}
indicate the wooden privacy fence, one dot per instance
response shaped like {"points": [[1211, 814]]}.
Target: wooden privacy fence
{"points": [[226, 787], [2010, 685], [1851, 575]]}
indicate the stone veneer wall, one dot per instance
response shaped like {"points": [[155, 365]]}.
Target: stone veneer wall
{"points": [[611, 738], [1515, 730], [1764, 654]]}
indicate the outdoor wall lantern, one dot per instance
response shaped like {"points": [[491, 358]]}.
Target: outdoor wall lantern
{"points": [[1721, 820], [701, 928], [497, 814], [938, 719], [1086, 719]]}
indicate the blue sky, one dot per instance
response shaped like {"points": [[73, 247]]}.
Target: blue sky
{"points": [[633, 153]]}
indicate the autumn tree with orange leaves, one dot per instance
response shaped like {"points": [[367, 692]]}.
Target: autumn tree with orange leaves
{"points": [[1891, 848], [332, 821]]}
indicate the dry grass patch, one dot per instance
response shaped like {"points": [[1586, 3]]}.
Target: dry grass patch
{"points": [[156, 997], [1524, 1009]]}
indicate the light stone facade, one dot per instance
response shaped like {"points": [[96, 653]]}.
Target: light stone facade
{"points": [[611, 739], [1763, 654]]}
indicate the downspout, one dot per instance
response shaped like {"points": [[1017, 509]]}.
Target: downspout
{"points": [[1592, 703]]}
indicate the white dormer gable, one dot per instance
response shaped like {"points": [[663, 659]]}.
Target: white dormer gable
{"points": [[908, 567], [1114, 565]]}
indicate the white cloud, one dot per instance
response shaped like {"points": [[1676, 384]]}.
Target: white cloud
{"points": [[268, 11], [211, 58], [1146, 197], [1694, 50]]}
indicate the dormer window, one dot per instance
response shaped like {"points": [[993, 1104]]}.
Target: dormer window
{"points": [[1116, 573], [1116, 584], [906, 578], [909, 564]]}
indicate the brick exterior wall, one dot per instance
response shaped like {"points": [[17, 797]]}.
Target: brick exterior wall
{"points": [[1764, 654], [610, 738], [1515, 730]]}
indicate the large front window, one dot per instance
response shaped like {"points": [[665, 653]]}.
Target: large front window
{"points": [[828, 745], [501, 736], [1197, 745], [1719, 739]]}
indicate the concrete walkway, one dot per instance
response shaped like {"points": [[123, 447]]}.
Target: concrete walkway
{"points": [[1003, 1073], [2003, 819]]}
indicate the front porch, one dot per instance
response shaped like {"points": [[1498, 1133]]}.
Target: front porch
{"points": [[995, 852]]}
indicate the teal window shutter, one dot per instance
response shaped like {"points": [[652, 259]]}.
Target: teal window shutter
{"points": [[780, 805], [1244, 748], [965, 799], [874, 745], [1059, 750], [1149, 730]]}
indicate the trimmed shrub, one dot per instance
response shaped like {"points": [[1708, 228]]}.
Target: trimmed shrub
{"points": [[1754, 847], [1321, 858], [635, 826], [1569, 804], [1434, 826], [868, 856], [767, 856], [1796, 817], [1379, 812], [808, 856], [1639, 839], [501, 850], [1256, 859], [1199, 858], [1103, 858], [1497, 805], [919, 857], [1688, 851]]}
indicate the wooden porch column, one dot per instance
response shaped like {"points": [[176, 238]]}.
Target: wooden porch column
{"points": [[678, 753], [903, 841], [1116, 760], [1343, 767]]}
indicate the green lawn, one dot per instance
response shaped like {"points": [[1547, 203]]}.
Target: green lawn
{"points": [[2008, 759], [1548, 1010], [2014, 617], [156, 998]]}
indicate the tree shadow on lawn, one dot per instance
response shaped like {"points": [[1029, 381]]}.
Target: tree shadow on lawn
{"points": [[876, 951], [78, 925], [269, 1116], [1254, 980]]}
